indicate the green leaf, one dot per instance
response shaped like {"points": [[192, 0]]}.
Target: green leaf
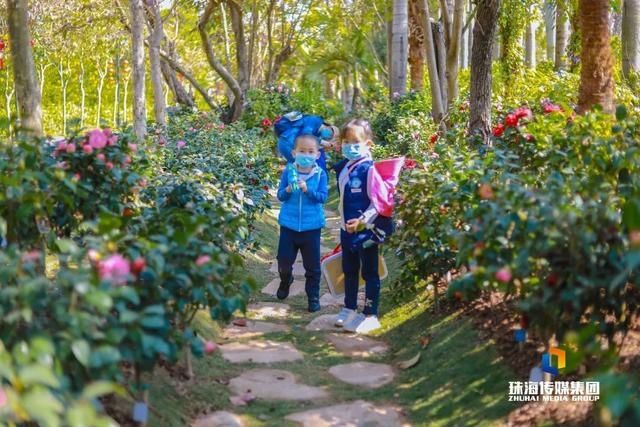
{"points": [[153, 322], [100, 388], [38, 374], [81, 351]]}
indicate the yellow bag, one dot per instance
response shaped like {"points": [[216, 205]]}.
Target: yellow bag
{"points": [[331, 266]]}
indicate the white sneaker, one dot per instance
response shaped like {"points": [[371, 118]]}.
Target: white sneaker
{"points": [[353, 324], [370, 323], [344, 316]]}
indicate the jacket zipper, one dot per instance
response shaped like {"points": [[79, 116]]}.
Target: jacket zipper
{"points": [[300, 212]]}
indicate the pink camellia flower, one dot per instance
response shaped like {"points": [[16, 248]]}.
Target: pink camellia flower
{"points": [[133, 147], [97, 139], [71, 148], [62, 145], [3, 398], [109, 165], [162, 141], [76, 177], [127, 160], [524, 113], [498, 130], [113, 140], [62, 165], [87, 149], [221, 126], [410, 164], [550, 107], [181, 144], [503, 275], [210, 347], [101, 157], [511, 120], [107, 132], [202, 260], [114, 269]]}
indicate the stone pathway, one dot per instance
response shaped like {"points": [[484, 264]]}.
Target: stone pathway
{"points": [[250, 344], [274, 384]]}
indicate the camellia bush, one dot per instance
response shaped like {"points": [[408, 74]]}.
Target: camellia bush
{"points": [[547, 215], [143, 236]]}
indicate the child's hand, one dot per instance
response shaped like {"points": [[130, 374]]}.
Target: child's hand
{"points": [[353, 225], [302, 185], [288, 189]]}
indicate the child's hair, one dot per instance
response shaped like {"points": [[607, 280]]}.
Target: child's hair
{"points": [[306, 136], [353, 124]]}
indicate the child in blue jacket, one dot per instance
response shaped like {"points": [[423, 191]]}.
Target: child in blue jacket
{"points": [[362, 228], [302, 191]]}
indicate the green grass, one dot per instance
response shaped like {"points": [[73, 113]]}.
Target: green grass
{"points": [[459, 381]]}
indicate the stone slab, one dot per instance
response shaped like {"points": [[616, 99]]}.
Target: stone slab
{"points": [[363, 374], [260, 352], [274, 384], [357, 345], [297, 288], [354, 414], [219, 419], [324, 322], [265, 310], [254, 328]]}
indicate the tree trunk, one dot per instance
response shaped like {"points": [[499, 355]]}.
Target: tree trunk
{"points": [[102, 76], [530, 45], [470, 40], [242, 60], [125, 99], [116, 92], [155, 39], [252, 40], [63, 90], [28, 93], [453, 52], [630, 38], [83, 95], [416, 44], [238, 94], [179, 69], [437, 104], [356, 89], [180, 95], [138, 70], [596, 75], [441, 60], [562, 36], [464, 43], [549, 14], [484, 32], [399, 55]]}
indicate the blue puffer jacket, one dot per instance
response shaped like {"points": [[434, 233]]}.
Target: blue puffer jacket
{"points": [[303, 211]]}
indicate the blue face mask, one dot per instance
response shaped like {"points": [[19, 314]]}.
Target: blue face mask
{"points": [[354, 151], [305, 160], [326, 134]]}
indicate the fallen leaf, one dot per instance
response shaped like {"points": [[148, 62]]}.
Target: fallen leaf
{"points": [[424, 341], [240, 322], [410, 363]]}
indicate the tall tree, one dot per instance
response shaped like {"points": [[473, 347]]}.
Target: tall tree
{"points": [[416, 44], [156, 34], [630, 37], [484, 32], [399, 33], [530, 44], [596, 75], [549, 14], [28, 93], [562, 35], [432, 64], [453, 26], [137, 68], [237, 106]]}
